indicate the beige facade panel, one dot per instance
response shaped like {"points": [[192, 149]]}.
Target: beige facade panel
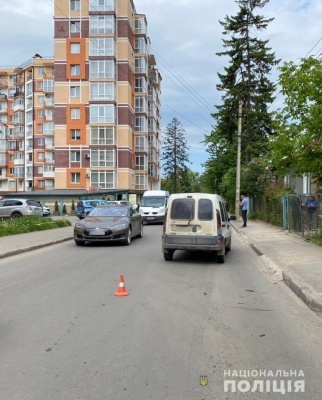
{"points": [[125, 179], [60, 49], [125, 51], [125, 9], [125, 137], [62, 8], [60, 136], [60, 179], [124, 93]]}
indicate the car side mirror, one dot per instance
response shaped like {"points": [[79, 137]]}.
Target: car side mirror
{"points": [[232, 218]]}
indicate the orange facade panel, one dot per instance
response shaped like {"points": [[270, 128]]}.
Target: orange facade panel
{"points": [[75, 124], [82, 182], [76, 62]]}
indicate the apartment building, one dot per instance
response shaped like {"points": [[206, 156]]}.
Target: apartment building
{"points": [[107, 98], [27, 126], [88, 118]]}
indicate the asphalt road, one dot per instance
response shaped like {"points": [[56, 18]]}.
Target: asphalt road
{"points": [[65, 336]]}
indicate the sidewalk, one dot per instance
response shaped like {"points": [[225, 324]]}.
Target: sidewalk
{"points": [[285, 256]]}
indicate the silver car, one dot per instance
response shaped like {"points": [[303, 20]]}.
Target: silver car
{"points": [[109, 223], [16, 208]]}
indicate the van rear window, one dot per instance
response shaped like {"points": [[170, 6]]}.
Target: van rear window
{"points": [[205, 210], [183, 209]]}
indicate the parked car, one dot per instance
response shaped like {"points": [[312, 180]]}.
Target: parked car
{"points": [[109, 223], [196, 222], [84, 207], [46, 211], [16, 208]]}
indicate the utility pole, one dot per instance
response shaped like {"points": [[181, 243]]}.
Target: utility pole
{"points": [[239, 132]]}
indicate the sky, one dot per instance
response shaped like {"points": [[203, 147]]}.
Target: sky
{"points": [[185, 37]]}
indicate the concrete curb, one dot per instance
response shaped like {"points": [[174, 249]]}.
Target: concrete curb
{"points": [[38, 246], [274, 272]]}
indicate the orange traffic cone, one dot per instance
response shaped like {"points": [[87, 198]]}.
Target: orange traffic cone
{"points": [[121, 291]]}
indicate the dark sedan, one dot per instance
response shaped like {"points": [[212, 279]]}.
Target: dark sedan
{"points": [[109, 223]]}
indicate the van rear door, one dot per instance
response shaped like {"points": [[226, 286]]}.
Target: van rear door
{"points": [[182, 221]]}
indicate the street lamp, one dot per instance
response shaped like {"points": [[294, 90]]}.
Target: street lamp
{"points": [[239, 132]]}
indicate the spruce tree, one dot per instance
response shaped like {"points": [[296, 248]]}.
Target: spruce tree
{"points": [[246, 78], [174, 153]]}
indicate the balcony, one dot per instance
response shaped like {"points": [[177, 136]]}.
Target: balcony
{"points": [[3, 97], [49, 174]]}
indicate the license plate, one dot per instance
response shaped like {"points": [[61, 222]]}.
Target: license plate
{"points": [[150, 218], [97, 232]]}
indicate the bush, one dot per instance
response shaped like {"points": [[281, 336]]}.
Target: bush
{"points": [[64, 209]]}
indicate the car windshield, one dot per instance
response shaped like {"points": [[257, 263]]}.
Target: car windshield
{"points": [[152, 201], [109, 211]]}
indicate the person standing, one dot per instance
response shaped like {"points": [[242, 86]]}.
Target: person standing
{"points": [[244, 209]]}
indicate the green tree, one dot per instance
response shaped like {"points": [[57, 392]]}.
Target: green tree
{"points": [[174, 154], [298, 142], [245, 79]]}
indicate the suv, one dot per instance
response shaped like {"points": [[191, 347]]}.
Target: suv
{"points": [[16, 208], [85, 206]]}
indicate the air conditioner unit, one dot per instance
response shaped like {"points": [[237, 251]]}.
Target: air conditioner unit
{"points": [[88, 175], [86, 155]]}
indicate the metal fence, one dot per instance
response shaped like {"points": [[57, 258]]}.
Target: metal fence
{"points": [[290, 212]]}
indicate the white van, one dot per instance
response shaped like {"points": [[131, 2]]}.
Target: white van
{"points": [[194, 222], [153, 205]]}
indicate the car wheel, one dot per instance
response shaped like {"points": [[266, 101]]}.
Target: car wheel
{"points": [[128, 238], [141, 231], [220, 258], [16, 215], [79, 242], [168, 256]]}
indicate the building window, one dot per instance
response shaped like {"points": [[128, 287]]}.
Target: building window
{"points": [[75, 177], [75, 48], [75, 134], [75, 69], [41, 99], [75, 156], [140, 85], [41, 184], [41, 71], [41, 141], [75, 5], [75, 27], [102, 69], [140, 105], [140, 143], [101, 47], [40, 127], [140, 65], [140, 45], [140, 163], [40, 85], [102, 158], [141, 182], [102, 113], [40, 113], [41, 156], [40, 170], [102, 91], [101, 24], [75, 91], [102, 5], [140, 124], [102, 135], [103, 179], [75, 113]]}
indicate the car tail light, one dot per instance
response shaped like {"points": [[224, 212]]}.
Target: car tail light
{"points": [[165, 221], [218, 220]]}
